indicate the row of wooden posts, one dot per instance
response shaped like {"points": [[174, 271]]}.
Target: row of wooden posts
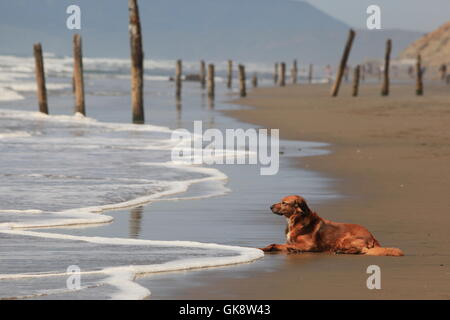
{"points": [[357, 70], [206, 78], [279, 75]]}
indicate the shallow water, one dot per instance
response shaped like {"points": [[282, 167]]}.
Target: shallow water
{"points": [[69, 171]]}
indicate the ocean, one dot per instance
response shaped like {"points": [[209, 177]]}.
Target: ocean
{"points": [[103, 195]]}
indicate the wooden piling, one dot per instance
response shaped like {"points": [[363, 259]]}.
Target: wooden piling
{"points": [[255, 80], [78, 75], [230, 74], [282, 76], [343, 64], [203, 74], [40, 78], [310, 73], [419, 80], [275, 74], [294, 72], [242, 87], [178, 75], [356, 81], [211, 84], [137, 63], [443, 71], [387, 60]]}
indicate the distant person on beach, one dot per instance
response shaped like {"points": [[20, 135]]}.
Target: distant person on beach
{"points": [[329, 73], [411, 71], [346, 73]]}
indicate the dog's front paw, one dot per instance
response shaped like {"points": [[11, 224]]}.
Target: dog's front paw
{"points": [[293, 250], [269, 248]]}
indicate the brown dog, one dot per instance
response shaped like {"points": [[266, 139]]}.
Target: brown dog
{"points": [[307, 232]]}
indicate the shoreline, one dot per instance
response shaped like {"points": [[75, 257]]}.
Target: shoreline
{"points": [[389, 159], [198, 224]]}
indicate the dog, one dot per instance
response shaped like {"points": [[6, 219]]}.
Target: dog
{"points": [[307, 232]]}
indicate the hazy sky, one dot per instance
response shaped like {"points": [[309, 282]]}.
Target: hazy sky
{"points": [[419, 15]]}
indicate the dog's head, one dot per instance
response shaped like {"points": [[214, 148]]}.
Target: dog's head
{"points": [[291, 205]]}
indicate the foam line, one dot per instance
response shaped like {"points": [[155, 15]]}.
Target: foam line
{"points": [[123, 277]]}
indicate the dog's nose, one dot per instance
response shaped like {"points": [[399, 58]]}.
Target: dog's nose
{"points": [[271, 207]]}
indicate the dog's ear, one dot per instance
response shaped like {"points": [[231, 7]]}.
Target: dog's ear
{"points": [[301, 203]]}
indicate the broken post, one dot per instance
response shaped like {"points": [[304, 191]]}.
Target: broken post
{"points": [[78, 75], [343, 64], [387, 58], [242, 87], [178, 73], [230, 74], [137, 63], [356, 81], [255, 80], [282, 76], [310, 73], [294, 72], [203, 74], [419, 80], [211, 85], [275, 74], [40, 78]]}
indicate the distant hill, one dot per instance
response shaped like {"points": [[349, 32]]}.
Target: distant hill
{"points": [[245, 30], [434, 47]]}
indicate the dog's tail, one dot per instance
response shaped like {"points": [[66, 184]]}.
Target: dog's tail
{"points": [[380, 251]]}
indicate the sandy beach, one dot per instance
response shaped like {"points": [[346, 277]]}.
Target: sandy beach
{"points": [[390, 159]]}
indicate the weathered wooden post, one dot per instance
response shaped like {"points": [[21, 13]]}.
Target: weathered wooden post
{"points": [[387, 59], [443, 71], [294, 72], [211, 84], [310, 73], [419, 80], [343, 64], [203, 74], [356, 81], [178, 74], [242, 87], [275, 74], [78, 75], [137, 63], [282, 76], [40, 78], [230, 74], [255, 80]]}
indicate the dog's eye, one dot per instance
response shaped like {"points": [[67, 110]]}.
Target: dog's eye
{"points": [[284, 203]]}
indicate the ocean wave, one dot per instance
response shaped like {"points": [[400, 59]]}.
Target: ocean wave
{"points": [[49, 190]]}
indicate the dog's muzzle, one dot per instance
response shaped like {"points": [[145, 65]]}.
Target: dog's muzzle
{"points": [[274, 210]]}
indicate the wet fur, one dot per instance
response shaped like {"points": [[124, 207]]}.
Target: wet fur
{"points": [[307, 232]]}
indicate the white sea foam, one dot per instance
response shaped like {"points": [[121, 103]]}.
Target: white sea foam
{"points": [[123, 277]]}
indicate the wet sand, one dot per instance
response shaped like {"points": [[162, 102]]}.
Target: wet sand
{"points": [[390, 159]]}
